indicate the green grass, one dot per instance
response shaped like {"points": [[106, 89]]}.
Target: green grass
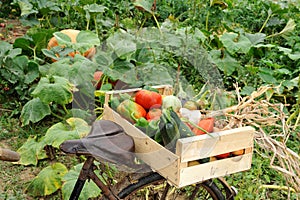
{"points": [[250, 183]]}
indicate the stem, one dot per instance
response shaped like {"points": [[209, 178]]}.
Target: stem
{"points": [[5, 110], [142, 24], [65, 109], [34, 53], [96, 28], [87, 24], [277, 187], [57, 116], [206, 20], [158, 26], [196, 126], [297, 120], [265, 23]]}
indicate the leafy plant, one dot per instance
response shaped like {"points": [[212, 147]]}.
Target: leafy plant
{"points": [[89, 190], [17, 72], [33, 149], [48, 181]]}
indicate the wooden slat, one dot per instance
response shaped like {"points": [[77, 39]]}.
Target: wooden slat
{"points": [[162, 89], [198, 173], [146, 148], [203, 146]]}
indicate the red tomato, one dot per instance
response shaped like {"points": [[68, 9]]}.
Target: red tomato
{"points": [[153, 114], [224, 155], [97, 79], [207, 124], [148, 99]]}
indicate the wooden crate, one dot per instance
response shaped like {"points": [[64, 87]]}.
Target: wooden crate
{"points": [[175, 166]]}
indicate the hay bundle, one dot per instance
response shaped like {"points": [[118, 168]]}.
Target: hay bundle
{"points": [[272, 131]]}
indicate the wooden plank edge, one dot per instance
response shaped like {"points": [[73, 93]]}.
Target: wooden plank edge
{"points": [[202, 172]]}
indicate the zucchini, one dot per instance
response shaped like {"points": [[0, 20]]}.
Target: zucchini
{"points": [[171, 137], [184, 130], [171, 128], [168, 131]]}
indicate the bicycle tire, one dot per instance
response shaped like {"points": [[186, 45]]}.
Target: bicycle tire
{"points": [[209, 188]]}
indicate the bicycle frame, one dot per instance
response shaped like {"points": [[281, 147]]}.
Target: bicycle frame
{"points": [[87, 172]]}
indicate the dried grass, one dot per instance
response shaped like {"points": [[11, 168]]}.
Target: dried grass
{"points": [[272, 131]]}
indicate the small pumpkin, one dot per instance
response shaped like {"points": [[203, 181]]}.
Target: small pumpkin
{"points": [[72, 34]]}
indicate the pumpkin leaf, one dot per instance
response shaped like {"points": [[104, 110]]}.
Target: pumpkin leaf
{"points": [[63, 39], [89, 190], [235, 43], [75, 128], [48, 181], [31, 151], [150, 71], [227, 64], [122, 43], [26, 8], [32, 72], [54, 89], [144, 4], [33, 111], [95, 8], [86, 40]]}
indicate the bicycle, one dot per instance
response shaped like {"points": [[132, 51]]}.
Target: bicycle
{"points": [[107, 142]]}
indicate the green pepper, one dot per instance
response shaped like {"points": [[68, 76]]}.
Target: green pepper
{"points": [[130, 110], [142, 122], [150, 128]]}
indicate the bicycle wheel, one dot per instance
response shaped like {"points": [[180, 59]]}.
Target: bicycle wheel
{"points": [[154, 186]]}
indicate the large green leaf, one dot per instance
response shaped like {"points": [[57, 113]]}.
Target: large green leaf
{"points": [[26, 8], [235, 43], [266, 75], [63, 39], [34, 110], [95, 8], [48, 181], [4, 48], [288, 52], [31, 151], [74, 129], [81, 72], [32, 72], [122, 43], [86, 40], [14, 70], [122, 70], [54, 89], [144, 4], [89, 190], [256, 38], [150, 71], [227, 64], [103, 59]]}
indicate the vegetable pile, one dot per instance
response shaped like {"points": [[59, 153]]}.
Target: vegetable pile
{"points": [[165, 118]]}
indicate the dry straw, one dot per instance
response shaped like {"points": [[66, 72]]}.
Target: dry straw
{"points": [[272, 132]]}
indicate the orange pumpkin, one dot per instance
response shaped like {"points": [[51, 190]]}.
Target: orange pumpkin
{"points": [[72, 34]]}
